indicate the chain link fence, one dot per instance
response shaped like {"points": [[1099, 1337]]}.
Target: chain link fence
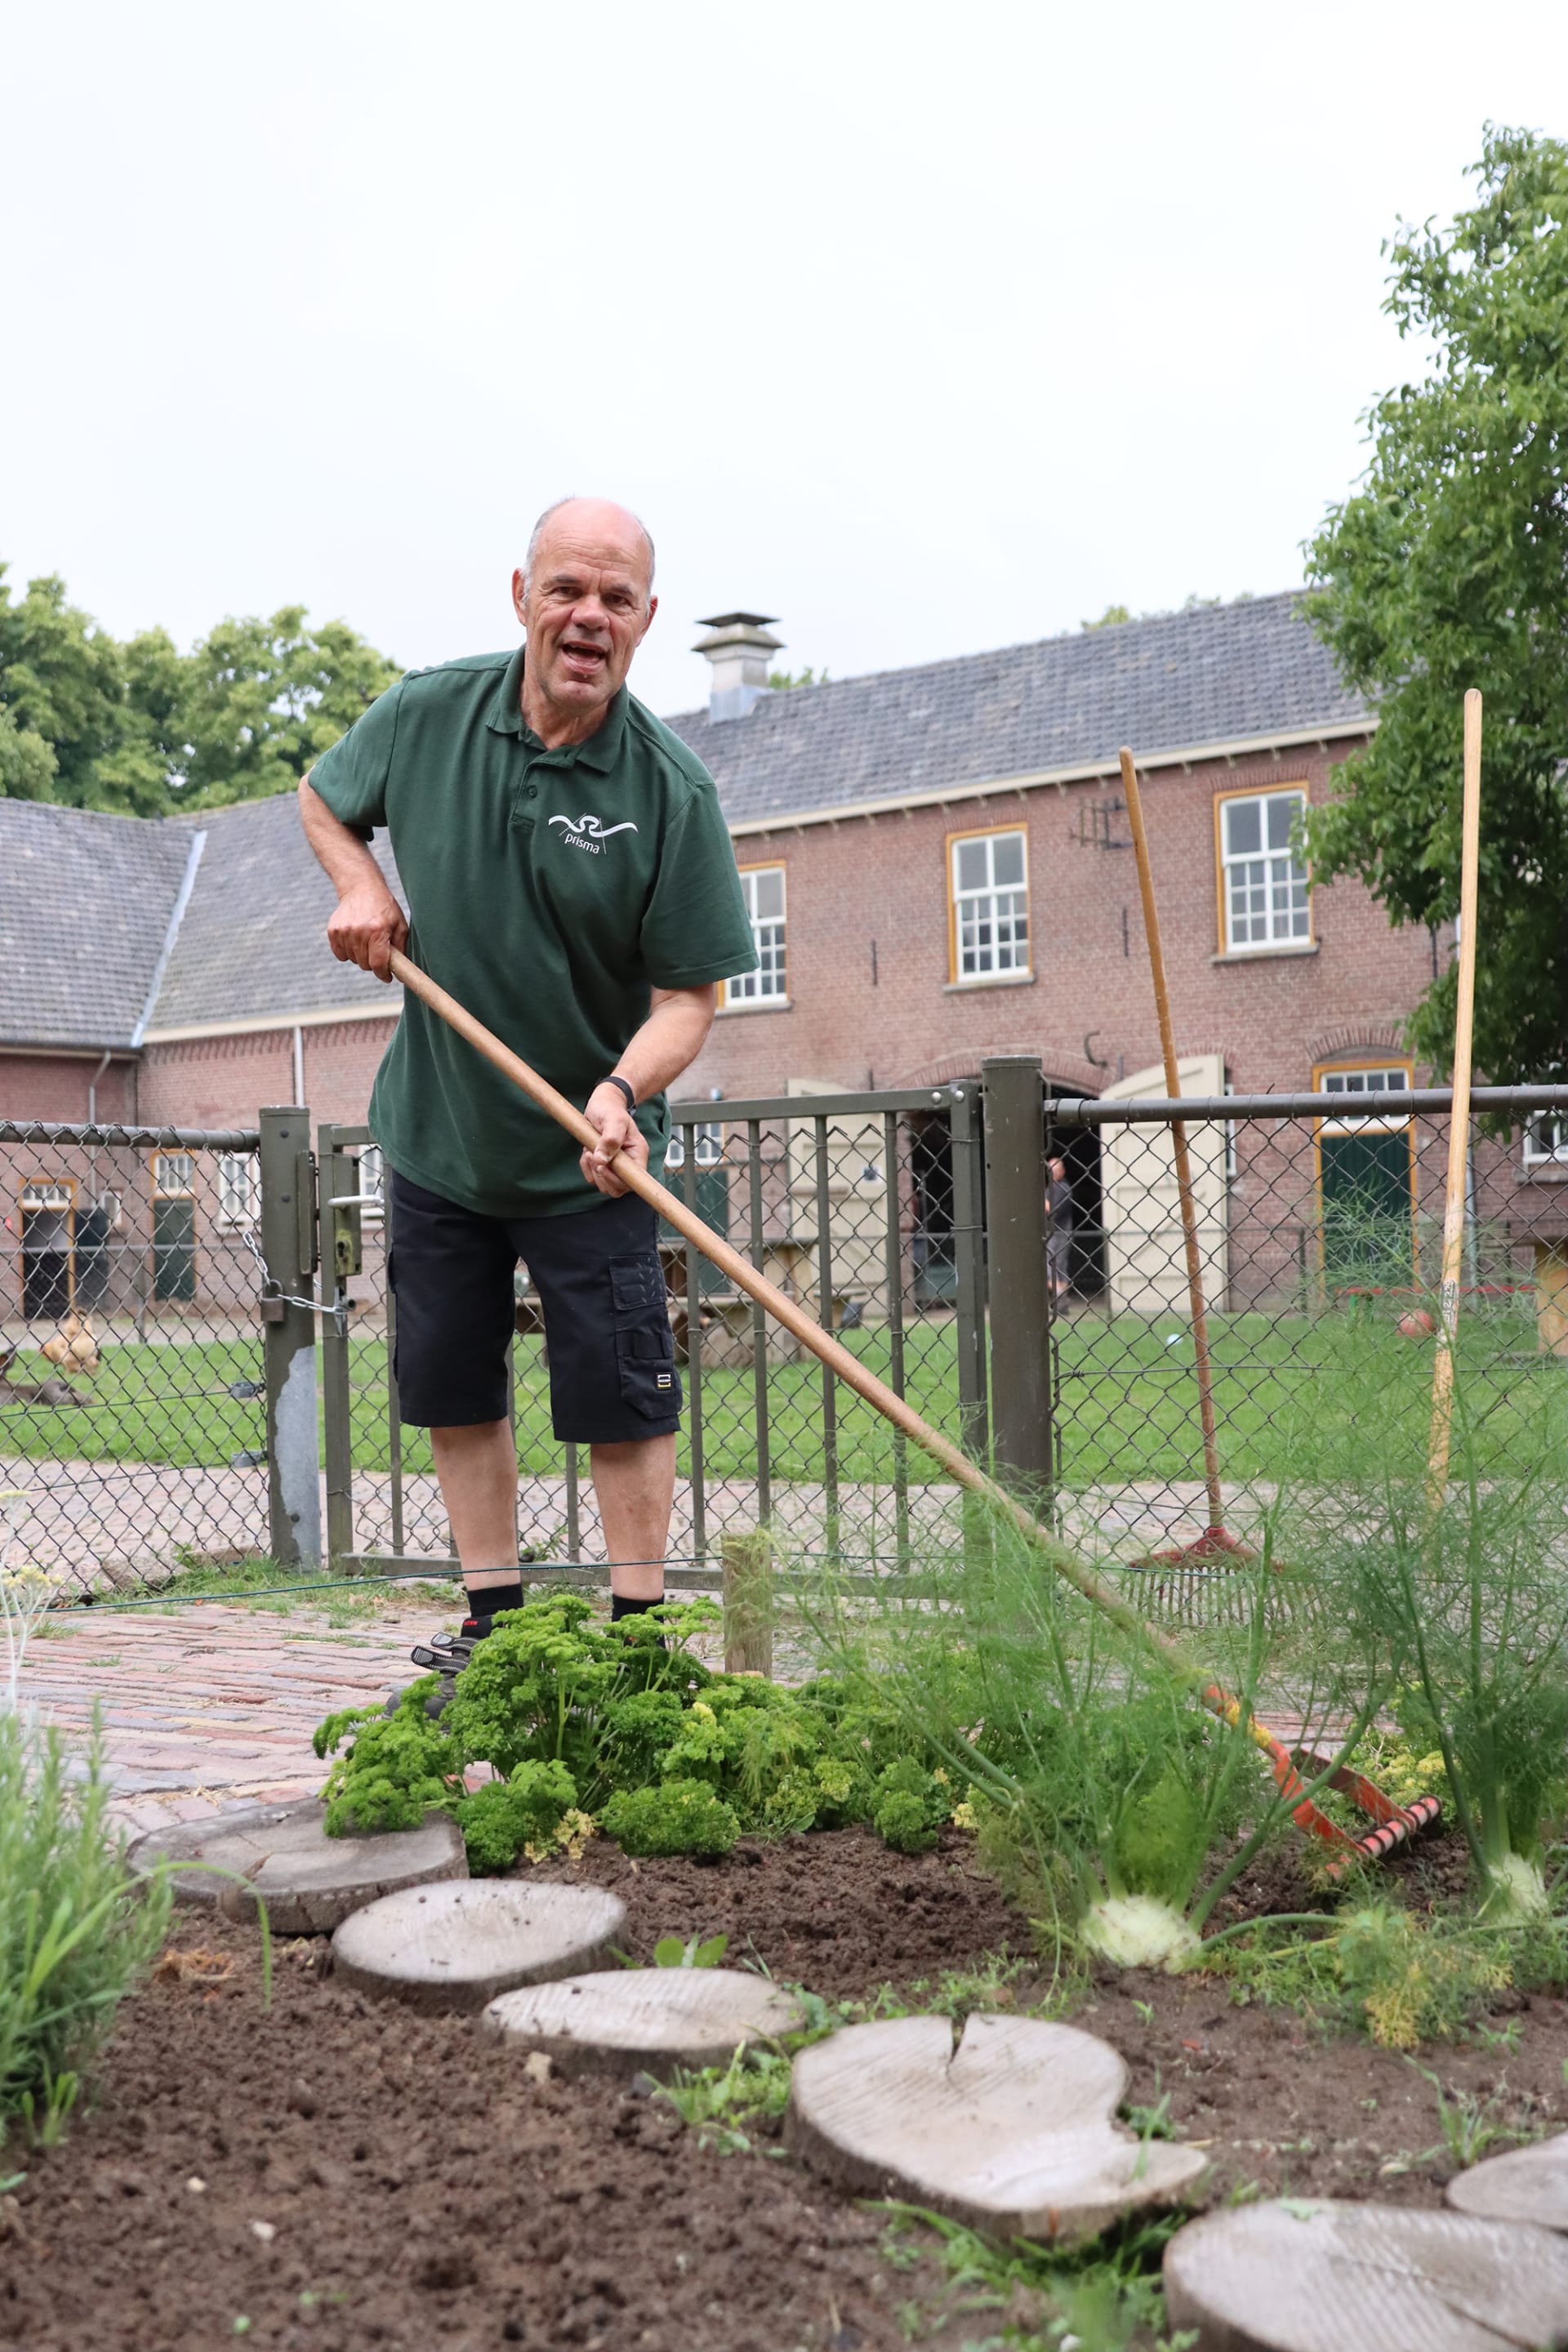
{"points": [[865, 1208], [1319, 1228], [178, 1383], [133, 1399]]}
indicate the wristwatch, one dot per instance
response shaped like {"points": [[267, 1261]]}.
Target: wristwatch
{"points": [[615, 1079]]}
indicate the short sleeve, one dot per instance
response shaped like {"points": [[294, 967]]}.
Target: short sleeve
{"points": [[695, 928], [351, 775]]}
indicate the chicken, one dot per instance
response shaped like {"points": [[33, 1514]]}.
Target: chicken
{"points": [[73, 1347]]}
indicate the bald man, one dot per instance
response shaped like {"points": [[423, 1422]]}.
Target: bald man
{"points": [[571, 880]]}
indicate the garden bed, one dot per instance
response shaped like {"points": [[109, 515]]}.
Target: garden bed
{"points": [[417, 2185]]}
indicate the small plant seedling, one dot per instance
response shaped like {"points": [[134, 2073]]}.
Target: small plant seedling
{"points": [[685, 1952], [1470, 2125], [1146, 2012], [1506, 2037]]}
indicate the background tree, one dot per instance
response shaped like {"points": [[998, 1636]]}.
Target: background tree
{"points": [[1447, 569], [141, 729]]}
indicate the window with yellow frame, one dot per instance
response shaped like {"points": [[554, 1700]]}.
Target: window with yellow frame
{"points": [[1263, 885], [988, 905], [762, 888]]}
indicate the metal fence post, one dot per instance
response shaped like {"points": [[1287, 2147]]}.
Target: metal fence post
{"points": [[288, 1244], [1023, 1438], [338, 1177], [969, 1266]]}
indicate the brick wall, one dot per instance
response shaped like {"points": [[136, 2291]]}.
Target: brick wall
{"points": [[224, 1081], [882, 880], [54, 1086]]}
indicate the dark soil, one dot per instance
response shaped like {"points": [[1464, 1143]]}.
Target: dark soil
{"points": [[417, 2187]]}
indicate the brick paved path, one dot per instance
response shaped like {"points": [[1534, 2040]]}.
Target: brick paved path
{"points": [[213, 1705]]}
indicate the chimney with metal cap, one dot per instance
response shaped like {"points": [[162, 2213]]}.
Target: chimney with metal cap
{"points": [[738, 646]]}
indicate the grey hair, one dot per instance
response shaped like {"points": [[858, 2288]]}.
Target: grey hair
{"points": [[569, 500]]}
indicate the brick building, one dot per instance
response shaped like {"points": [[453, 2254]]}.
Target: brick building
{"points": [[938, 864]]}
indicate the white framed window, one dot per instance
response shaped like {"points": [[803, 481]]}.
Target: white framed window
{"points": [[238, 1188], [708, 1142], [173, 1175], [371, 1179], [1391, 1077], [41, 1194], [1264, 884], [988, 904], [762, 888], [1546, 1139]]}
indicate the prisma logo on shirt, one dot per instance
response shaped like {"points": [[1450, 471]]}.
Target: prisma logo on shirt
{"points": [[588, 832]]}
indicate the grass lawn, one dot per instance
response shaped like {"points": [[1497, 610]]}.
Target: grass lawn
{"points": [[1127, 1409]]}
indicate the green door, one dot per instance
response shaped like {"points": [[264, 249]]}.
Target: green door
{"points": [[173, 1225], [711, 1200], [1368, 1242]]}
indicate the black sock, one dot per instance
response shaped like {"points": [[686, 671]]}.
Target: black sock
{"points": [[620, 1606], [489, 1600]]}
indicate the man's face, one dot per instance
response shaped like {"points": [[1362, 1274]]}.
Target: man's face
{"points": [[586, 607]]}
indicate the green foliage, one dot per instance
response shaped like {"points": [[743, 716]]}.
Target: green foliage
{"points": [[689, 1952], [910, 1806], [1105, 2296], [1445, 571], [397, 1768], [501, 1819], [140, 729], [1086, 1765], [672, 1817], [76, 1930]]}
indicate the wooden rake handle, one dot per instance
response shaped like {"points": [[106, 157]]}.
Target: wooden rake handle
{"points": [[787, 1311]]}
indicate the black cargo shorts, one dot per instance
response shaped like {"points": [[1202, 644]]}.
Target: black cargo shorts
{"points": [[606, 1324]]}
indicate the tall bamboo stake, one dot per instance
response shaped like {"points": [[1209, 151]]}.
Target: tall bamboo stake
{"points": [[1216, 1536], [1459, 1116]]}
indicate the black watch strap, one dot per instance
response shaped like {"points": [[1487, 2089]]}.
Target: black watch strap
{"points": [[615, 1079]]}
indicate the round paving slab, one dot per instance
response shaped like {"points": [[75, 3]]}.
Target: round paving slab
{"points": [[1528, 2184], [456, 1946], [645, 2020], [309, 1881], [1301, 2277], [1013, 2130]]}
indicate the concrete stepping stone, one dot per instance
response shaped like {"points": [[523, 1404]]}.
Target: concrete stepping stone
{"points": [[460, 1946], [1527, 2184], [309, 1881], [645, 2020], [1013, 2130], [1298, 2276]]}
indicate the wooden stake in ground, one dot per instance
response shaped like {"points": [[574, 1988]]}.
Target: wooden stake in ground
{"points": [[1395, 1827], [1459, 1115], [1215, 1538]]}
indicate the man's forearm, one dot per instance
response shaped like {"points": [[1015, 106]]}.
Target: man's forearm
{"points": [[368, 921], [668, 1041]]}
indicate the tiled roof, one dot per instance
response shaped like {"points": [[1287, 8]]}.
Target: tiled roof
{"points": [[1221, 674], [86, 902], [253, 939]]}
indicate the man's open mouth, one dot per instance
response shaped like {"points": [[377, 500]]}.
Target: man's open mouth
{"points": [[585, 656]]}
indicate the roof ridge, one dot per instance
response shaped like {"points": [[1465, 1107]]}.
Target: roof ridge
{"points": [[1028, 645]]}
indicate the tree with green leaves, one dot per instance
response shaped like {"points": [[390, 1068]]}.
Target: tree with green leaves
{"points": [[141, 729], [1447, 568]]}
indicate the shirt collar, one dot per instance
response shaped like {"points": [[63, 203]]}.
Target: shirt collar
{"points": [[603, 748]]}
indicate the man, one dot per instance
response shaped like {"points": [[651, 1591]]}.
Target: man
{"points": [[570, 879], [1059, 1231]]}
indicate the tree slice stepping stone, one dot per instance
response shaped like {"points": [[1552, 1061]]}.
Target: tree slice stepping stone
{"points": [[645, 2020], [1528, 2184], [1012, 2130], [1294, 2276], [309, 1881], [456, 1946]]}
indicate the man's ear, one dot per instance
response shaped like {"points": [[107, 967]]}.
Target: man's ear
{"points": [[520, 598], [652, 609]]}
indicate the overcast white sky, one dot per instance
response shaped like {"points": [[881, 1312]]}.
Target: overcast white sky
{"points": [[926, 328]]}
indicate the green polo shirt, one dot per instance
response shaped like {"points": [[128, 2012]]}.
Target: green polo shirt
{"points": [[548, 891]]}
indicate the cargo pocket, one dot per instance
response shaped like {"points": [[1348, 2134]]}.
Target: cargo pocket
{"points": [[644, 1345]]}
